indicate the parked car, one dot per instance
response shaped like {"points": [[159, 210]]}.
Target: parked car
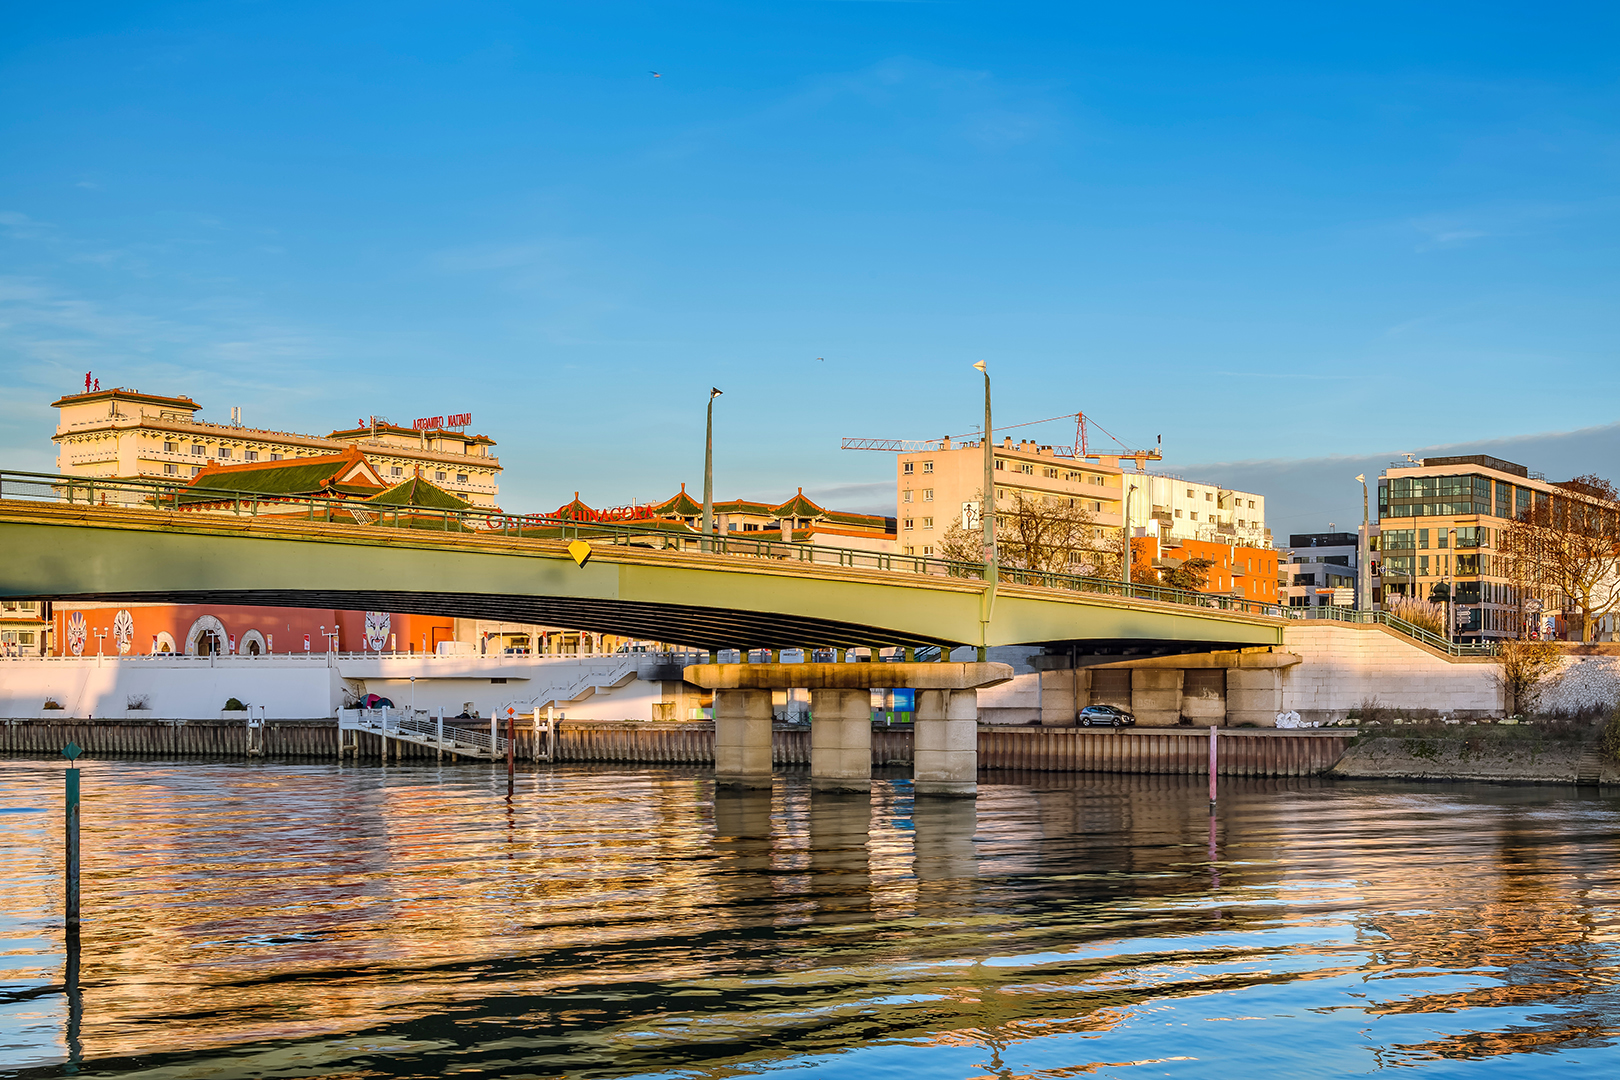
{"points": [[1105, 716]]}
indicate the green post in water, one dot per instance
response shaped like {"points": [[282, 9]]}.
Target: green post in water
{"points": [[72, 751]]}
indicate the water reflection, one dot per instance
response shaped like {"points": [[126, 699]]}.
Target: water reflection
{"points": [[276, 920]]}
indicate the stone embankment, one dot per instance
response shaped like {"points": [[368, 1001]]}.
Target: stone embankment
{"points": [[1524, 753]]}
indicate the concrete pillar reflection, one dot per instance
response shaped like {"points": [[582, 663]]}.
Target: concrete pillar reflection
{"points": [[945, 755], [742, 738], [841, 740], [942, 839], [840, 873], [742, 831]]}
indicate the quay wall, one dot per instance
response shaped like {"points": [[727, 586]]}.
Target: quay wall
{"points": [[692, 743]]}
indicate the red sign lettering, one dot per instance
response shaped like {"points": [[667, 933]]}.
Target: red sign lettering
{"points": [[439, 423]]}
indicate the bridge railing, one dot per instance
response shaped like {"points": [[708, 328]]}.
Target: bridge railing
{"points": [[670, 535]]}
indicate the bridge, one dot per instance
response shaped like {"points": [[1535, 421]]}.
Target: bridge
{"points": [[131, 541], [721, 592]]}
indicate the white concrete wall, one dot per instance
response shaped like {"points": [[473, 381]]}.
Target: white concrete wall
{"points": [[306, 688], [177, 688], [1345, 665]]}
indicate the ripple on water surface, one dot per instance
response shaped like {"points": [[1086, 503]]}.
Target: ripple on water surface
{"points": [[291, 920]]}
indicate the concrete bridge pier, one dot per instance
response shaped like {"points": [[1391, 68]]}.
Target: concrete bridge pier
{"points": [[945, 755], [841, 740], [742, 738]]}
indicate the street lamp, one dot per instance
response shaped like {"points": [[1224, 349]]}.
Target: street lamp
{"points": [[1363, 561], [987, 508], [708, 472]]}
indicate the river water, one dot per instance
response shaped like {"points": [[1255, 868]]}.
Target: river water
{"points": [[276, 920]]}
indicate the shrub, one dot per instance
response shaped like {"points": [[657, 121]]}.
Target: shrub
{"points": [[138, 702], [234, 705], [1422, 614], [52, 703], [1611, 737]]}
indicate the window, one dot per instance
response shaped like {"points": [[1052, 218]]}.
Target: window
{"points": [[928, 523], [905, 496], [168, 448], [1001, 493], [171, 469], [195, 469], [1191, 494], [1000, 464], [1178, 513], [1099, 481], [1193, 515], [197, 451], [1209, 496], [908, 550], [439, 475], [224, 451], [250, 455], [275, 457], [1050, 473], [1423, 564], [1423, 539], [906, 468], [928, 551], [1027, 469], [908, 524], [461, 478], [1251, 504], [928, 466], [928, 494], [396, 471]]}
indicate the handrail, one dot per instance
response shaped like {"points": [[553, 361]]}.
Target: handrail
{"points": [[1411, 630], [118, 492]]}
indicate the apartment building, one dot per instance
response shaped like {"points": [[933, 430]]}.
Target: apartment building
{"points": [[1321, 567], [25, 627], [1239, 571], [126, 434], [1441, 520], [1175, 508], [939, 487]]}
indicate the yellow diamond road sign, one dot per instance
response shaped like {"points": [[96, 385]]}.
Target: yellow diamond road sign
{"points": [[581, 551]]}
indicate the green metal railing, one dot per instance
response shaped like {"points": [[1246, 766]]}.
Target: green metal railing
{"points": [[1411, 630], [179, 497]]}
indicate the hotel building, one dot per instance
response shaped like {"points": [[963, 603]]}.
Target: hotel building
{"points": [[126, 434]]}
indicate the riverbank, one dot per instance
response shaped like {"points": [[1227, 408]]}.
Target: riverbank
{"points": [[1552, 753]]}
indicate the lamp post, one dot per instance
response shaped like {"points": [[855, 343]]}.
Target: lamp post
{"points": [[987, 518], [1363, 549], [987, 508], [1451, 588], [1125, 565], [708, 472]]}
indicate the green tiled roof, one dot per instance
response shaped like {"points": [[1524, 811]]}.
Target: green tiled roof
{"points": [[419, 492]]}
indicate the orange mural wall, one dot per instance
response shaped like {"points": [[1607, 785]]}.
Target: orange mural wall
{"points": [[84, 629]]}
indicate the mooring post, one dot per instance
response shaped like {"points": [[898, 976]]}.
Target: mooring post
{"points": [[534, 735], [438, 733], [71, 870], [551, 733], [511, 725], [1213, 734], [494, 735]]}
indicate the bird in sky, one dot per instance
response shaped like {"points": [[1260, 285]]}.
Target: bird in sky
{"points": [[655, 74]]}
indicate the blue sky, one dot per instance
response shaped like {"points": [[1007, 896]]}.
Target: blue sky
{"points": [[1270, 236]]}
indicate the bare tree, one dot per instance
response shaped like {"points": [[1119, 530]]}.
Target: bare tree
{"points": [[1565, 548], [1525, 664], [1051, 534]]}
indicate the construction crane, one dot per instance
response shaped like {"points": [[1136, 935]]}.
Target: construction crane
{"points": [[1081, 449]]}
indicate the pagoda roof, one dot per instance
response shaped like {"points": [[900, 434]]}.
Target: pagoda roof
{"points": [[799, 506], [681, 505], [345, 474], [419, 492]]}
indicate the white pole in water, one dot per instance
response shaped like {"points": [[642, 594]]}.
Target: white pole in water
{"points": [[438, 734], [1213, 733]]}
